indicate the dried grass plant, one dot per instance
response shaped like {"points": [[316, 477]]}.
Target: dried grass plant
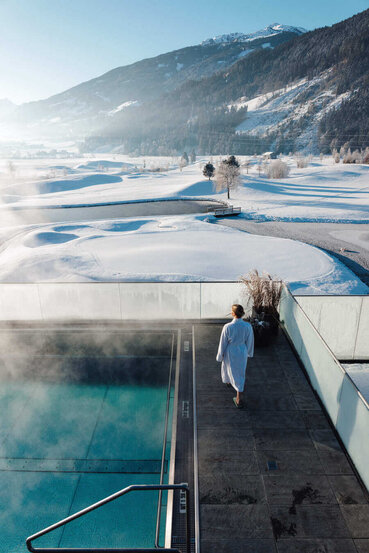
{"points": [[263, 292], [301, 162]]}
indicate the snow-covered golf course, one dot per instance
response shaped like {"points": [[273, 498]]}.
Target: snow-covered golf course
{"points": [[159, 245]]}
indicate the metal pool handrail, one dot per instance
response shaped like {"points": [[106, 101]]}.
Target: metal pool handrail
{"points": [[136, 487], [158, 513]]}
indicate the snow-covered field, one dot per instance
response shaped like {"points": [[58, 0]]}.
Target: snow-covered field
{"points": [[323, 191], [180, 248], [175, 248]]}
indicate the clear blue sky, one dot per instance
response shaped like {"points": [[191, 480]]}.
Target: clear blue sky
{"points": [[47, 46]]}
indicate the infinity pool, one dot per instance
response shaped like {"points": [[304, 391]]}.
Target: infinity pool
{"points": [[82, 415]]}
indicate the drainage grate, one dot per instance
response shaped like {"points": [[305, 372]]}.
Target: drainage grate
{"points": [[185, 409], [272, 465], [182, 502], [83, 465]]}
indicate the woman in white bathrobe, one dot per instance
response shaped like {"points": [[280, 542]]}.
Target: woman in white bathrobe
{"points": [[235, 346]]}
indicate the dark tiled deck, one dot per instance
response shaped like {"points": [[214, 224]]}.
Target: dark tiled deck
{"points": [[312, 503]]}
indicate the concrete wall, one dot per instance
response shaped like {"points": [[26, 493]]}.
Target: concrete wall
{"points": [[346, 407], [119, 301], [342, 321]]}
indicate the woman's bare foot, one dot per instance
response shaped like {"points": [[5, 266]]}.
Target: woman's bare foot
{"points": [[238, 404]]}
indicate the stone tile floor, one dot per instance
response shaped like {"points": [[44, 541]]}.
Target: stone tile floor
{"points": [[312, 502]]}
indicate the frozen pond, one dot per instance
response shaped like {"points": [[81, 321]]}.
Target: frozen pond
{"points": [[27, 216]]}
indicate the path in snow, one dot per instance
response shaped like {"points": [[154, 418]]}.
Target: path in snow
{"points": [[331, 237]]}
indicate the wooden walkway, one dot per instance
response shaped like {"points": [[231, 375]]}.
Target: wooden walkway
{"points": [[273, 477]]}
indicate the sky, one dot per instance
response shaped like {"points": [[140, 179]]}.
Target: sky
{"points": [[47, 46]]}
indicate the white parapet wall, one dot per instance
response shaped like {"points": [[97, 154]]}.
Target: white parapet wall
{"points": [[346, 407], [342, 321], [119, 300]]}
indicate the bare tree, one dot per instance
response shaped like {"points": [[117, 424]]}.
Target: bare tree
{"points": [[11, 169], [182, 163], [336, 155], [227, 175]]}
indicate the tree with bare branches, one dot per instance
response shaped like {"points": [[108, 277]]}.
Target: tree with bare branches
{"points": [[227, 175]]}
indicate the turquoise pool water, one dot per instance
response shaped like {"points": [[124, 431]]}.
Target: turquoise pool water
{"points": [[81, 416]]}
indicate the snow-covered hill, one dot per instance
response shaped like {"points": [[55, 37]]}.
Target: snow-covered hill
{"points": [[6, 107]]}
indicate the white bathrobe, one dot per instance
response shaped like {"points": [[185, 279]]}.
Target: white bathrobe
{"points": [[235, 346]]}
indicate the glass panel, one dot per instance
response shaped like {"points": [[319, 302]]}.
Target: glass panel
{"points": [[353, 427]]}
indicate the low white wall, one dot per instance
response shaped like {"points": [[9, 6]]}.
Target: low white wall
{"points": [[216, 299], [342, 321], [346, 407], [119, 301], [155, 300], [79, 301], [19, 302]]}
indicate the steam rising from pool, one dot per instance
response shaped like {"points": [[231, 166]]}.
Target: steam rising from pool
{"points": [[53, 383], [77, 396]]}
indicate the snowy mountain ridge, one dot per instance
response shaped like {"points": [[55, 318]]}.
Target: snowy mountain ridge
{"points": [[270, 30]]}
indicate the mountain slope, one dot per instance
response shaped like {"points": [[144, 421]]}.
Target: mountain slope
{"points": [[6, 107], [334, 61], [95, 102]]}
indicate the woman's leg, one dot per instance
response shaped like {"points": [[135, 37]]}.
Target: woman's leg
{"points": [[239, 397]]}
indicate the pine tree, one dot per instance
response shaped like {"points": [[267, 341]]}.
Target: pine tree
{"points": [[208, 170], [232, 161]]}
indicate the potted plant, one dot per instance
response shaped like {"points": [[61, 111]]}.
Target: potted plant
{"points": [[263, 293]]}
